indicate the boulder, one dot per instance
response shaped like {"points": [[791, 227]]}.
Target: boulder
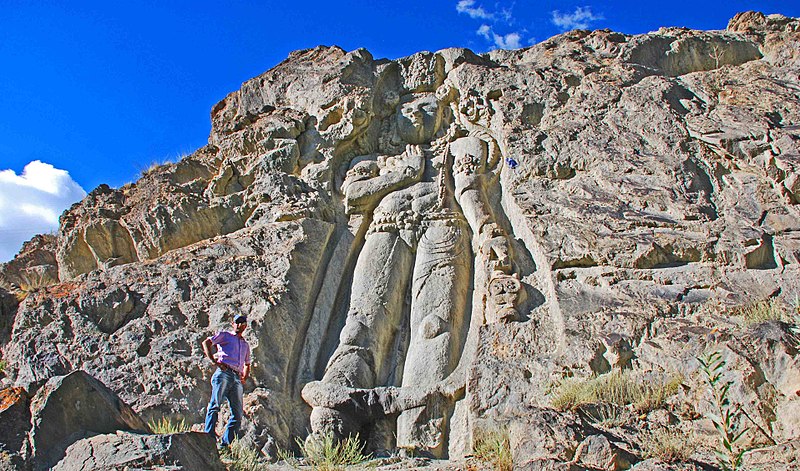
{"points": [[124, 450], [72, 407]]}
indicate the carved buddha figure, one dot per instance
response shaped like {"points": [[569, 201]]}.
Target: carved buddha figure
{"points": [[408, 315], [416, 247]]}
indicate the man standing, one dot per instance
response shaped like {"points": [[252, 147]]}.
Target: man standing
{"points": [[232, 358]]}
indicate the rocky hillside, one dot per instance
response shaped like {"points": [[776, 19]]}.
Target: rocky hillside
{"points": [[447, 246]]}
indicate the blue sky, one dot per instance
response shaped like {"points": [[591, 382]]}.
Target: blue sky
{"points": [[104, 89]]}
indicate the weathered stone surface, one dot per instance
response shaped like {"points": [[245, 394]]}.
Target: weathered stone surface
{"points": [[8, 309], [16, 419], [597, 451], [461, 231], [35, 263], [69, 408], [125, 450], [782, 457]]}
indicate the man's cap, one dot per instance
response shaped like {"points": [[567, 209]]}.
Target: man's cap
{"points": [[240, 319]]}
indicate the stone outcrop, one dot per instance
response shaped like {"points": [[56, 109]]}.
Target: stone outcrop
{"points": [[125, 450], [426, 246]]}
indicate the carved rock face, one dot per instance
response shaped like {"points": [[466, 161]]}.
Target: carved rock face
{"points": [[418, 119], [636, 185]]}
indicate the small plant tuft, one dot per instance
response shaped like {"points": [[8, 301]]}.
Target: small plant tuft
{"points": [[495, 449], [727, 416], [3, 366], [326, 453], [668, 445], [605, 415], [167, 426], [287, 457], [241, 457]]}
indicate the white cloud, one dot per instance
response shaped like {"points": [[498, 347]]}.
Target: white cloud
{"points": [[508, 41], [468, 7], [579, 19], [30, 203], [485, 31], [502, 17]]}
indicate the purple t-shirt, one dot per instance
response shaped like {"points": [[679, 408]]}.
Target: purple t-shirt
{"points": [[232, 350]]}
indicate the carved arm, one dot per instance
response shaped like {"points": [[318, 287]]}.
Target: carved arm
{"points": [[363, 192]]}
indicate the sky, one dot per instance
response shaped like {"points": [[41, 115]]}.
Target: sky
{"points": [[96, 92]]}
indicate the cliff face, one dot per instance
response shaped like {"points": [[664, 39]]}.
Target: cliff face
{"points": [[437, 240]]}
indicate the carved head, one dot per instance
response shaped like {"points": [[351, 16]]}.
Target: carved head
{"points": [[418, 118]]}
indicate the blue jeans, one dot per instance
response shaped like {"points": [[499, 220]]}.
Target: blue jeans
{"points": [[225, 384]]}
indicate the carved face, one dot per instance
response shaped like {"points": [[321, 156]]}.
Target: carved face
{"points": [[418, 119]]}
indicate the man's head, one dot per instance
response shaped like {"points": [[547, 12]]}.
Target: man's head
{"points": [[240, 323]]}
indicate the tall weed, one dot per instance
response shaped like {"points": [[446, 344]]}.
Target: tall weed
{"points": [[727, 415]]}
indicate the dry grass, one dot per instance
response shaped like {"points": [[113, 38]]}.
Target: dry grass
{"points": [[29, 282], [495, 449], [769, 310], [620, 388], [668, 445]]}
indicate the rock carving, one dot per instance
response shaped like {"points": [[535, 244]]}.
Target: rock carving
{"points": [[428, 215]]}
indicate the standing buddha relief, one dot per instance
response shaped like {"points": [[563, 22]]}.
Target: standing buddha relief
{"points": [[432, 239]]}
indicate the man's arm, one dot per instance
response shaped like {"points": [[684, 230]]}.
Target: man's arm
{"points": [[208, 350], [245, 372]]}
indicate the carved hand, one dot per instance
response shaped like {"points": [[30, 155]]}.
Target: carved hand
{"points": [[413, 149]]}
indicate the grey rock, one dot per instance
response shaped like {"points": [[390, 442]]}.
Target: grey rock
{"points": [[596, 451], [126, 450], [69, 408]]}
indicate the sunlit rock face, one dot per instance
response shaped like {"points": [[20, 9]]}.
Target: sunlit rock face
{"points": [[425, 246]]}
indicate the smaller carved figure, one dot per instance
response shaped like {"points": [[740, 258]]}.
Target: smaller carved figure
{"points": [[504, 294]]}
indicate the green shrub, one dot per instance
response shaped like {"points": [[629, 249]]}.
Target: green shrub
{"points": [[167, 426], [3, 365], [326, 453], [620, 388], [668, 445], [495, 449]]}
